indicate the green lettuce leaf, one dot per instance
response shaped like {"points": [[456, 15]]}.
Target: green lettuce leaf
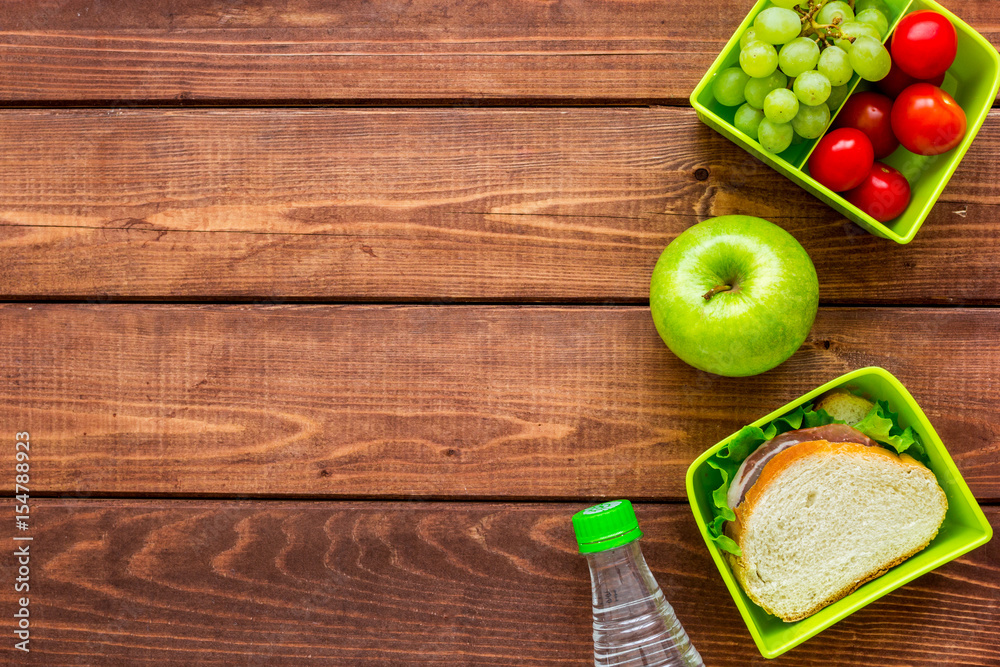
{"points": [[728, 459], [880, 424]]}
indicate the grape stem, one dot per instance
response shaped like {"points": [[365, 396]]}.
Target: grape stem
{"points": [[715, 290], [830, 30], [809, 16], [821, 33]]}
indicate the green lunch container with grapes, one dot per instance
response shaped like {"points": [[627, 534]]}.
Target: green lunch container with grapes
{"points": [[973, 80]]}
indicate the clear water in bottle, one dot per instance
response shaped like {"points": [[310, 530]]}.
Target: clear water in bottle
{"points": [[634, 625]]}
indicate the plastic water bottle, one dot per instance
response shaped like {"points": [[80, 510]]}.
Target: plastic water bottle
{"points": [[634, 625]]}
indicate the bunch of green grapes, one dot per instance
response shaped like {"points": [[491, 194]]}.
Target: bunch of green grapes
{"points": [[795, 65]]}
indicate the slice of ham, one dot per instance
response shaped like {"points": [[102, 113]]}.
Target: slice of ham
{"points": [[753, 465]]}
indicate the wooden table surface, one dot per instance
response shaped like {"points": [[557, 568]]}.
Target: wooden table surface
{"points": [[325, 317]]}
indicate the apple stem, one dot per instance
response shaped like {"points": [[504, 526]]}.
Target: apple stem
{"points": [[715, 290]]}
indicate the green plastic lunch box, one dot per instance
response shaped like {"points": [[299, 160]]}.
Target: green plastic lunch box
{"points": [[973, 81], [965, 526]]}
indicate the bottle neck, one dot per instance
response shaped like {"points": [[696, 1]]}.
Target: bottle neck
{"points": [[620, 568], [630, 553]]}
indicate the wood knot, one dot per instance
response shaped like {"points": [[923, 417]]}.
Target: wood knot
{"points": [[701, 174]]}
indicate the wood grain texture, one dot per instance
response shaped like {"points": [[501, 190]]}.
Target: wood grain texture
{"points": [[275, 583], [427, 51], [314, 51], [431, 204], [446, 402], [394, 403]]}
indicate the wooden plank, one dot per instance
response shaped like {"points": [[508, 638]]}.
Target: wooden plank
{"points": [[188, 583], [424, 401], [314, 51], [430, 204], [428, 51]]}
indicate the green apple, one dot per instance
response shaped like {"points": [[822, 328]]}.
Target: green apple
{"points": [[734, 295]]}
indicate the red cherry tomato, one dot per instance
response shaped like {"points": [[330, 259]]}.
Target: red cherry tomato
{"points": [[896, 81], [842, 159], [884, 194], [927, 120], [924, 44], [870, 113]]}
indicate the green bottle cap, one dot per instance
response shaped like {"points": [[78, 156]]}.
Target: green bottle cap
{"points": [[606, 526]]}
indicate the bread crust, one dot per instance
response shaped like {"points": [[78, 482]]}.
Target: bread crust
{"points": [[773, 469]]}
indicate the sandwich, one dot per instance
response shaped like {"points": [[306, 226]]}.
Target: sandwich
{"points": [[813, 513]]}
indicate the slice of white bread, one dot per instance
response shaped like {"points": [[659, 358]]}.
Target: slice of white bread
{"points": [[824, 518]]}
